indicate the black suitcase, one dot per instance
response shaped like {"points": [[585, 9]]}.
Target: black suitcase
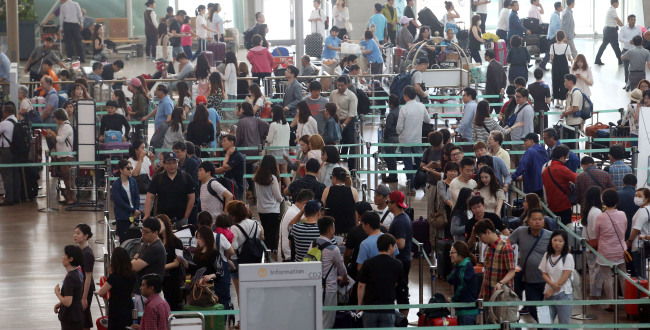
{"points": [[463, 39], [443, 261], [531, 23], [30, 183], [543, 28], [428, 18], [314, 45], [532, 39], [644, 314]]}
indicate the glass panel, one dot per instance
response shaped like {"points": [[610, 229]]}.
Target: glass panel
{"points": [[278, 18], [583, 17], [263, 309]]}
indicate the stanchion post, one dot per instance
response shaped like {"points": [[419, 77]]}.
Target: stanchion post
{"points": [[376, 157], [435, 121], [48, 196], [584, 315], [635, 158], [432, 271], [615, 275], [541, 121], [357, 140], [420, 270], [368, 145], [481, 311], [505, 325]]}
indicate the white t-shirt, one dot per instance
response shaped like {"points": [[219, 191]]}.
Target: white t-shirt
{"points": [[389, 216], [610, 18], [640, 223], [260, 103], [481, 9], [248, 226], [309, 128], [200, 30], [535, 12], [284, 246], [456, 185], [223, 245], [210, 203], [145, 168], [127, 188], [589, 232], [503, 19], [554, 266]]}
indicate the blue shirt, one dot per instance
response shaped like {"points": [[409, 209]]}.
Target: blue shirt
{"points": [[617, 170], [335, 42], [530, 167], [501, 170], [5, 66], [514, 25], [554, 25], [572, 163], [369, 249], [626, 204], [380, 22], [214, 118], [375, 55], [465, 125], [165, 108]]}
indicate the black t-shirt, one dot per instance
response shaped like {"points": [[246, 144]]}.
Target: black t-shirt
{"points": [[154, 255], [172, 194], [73, 286], [115, 122], [401, 228], [237, 167], [498, 224], [431, 155], [87, 267], [380, 274], [408, 12], [174, 273], [120, 303], [174, 26], [353, 241], [108, 73], [206, 261], [539, 92]]}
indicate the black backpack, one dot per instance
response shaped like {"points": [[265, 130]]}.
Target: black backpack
{"points": [[21, 140], [399, 82], [248, 37], [363, 105], [227, 183], [252, 250]]}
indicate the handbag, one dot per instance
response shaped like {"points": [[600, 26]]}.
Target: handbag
{"points": [[218, 265], [143, 182], [438, 217], [593, 129], [158, 137], [571, 194], [626, 254], [112, 136], [348, 26], [200, 295]]}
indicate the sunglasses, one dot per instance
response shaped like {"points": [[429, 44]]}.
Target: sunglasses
{"points": [[129, 168]]}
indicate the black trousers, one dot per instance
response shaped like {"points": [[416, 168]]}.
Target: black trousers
{"points": [[72, 37], [271, 225], [392, 34], [483, 19], [402, 288], [565, 215], [347, 137], [610, 36], [151, 43]]}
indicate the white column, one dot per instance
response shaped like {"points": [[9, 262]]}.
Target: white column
{"points": [[129, 17], [300, 35]]}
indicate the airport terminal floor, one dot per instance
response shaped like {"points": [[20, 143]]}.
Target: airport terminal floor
{"points": [[31, 242]]}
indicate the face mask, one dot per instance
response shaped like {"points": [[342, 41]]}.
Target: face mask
{"points": [[638, 201]]}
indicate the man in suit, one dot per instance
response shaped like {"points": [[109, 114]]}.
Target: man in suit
{"points": [[496, 78]]}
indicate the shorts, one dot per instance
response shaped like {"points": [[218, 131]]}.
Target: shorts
{"points": [[277, 153], [234, 274]]}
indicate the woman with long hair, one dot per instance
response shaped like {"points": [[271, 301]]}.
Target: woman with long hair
{"points": [[120, 98], [582, 71], [459, 216], [475, 40], [592, 208], [484, 124], [203, 30], [125, 196], [464, 279], [176, 128], [256, 99], [209, 257], [79, 91], [216, 92], [560, 57], [269, 197], [489, 188], [341, 15], [184, 98], [302, 157], [98, 42], [69, 308], [202, 72], [200, 130], [172, 281], [531, 202], [305, 123], [216, 22], [120, 282], [316, 145], [64, 137], [231, 75], [557, 267], [518, 57], [279, 134], [330, 160], [242, 84], [449, 18], [82, 233]]}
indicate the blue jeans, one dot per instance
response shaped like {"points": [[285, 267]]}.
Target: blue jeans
{"points": [[408, 161], [534, 292], [222, 286], [188, 52], [378, 320], [176, 51], [466, 319], [563, 312]]}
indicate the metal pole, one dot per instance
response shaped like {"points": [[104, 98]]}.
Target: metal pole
{"points": [[541, 121], [47, 208], [479, 306], [368, 164], [352, 150], [634, 160], [13, 40], [505, 325], [435, 121], [376, 157], [420, 271], [432, 270], [584, 315], [615, 293], [299, 29], [129, 17]]}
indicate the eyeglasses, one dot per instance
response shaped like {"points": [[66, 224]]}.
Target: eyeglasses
{"points": [[453, 252], [456, 154], [129, 168]]}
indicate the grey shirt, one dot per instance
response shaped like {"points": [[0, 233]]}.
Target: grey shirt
{"points": [[332, 264], [638, 57], [568, 25], [525, 240], [188, 68], [39, 55], [526, 115], [404, 38], [292, 95], [317, 107], [251, 132]]}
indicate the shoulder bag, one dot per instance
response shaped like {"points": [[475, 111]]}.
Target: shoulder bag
{"points": [[571, 194], [626, 254], [438, 216]]}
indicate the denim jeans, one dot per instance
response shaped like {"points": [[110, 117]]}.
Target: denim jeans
{"points": [[534, 292], [410, 161], [466, 319], [176, 51], [563, 313], [378, 320]]}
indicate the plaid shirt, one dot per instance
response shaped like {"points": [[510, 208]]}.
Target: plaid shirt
{"points": [[584, 181], [499, 259], [156, 313], [617, 170], [307, 182]]}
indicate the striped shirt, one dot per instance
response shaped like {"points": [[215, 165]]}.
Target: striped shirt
{"points": [[499, 259], [303, 235]]}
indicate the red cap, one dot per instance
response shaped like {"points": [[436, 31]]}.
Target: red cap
{"points": [[201, 99], [398, 197]]}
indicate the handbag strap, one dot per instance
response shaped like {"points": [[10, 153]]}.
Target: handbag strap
{"points": [[594, 178], [616, 231], [548, 169], [523, 269]]}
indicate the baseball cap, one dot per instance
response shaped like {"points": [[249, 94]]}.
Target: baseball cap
{"points": [[201, 99], [339, 173], [423, 60], [383, 190], [398, 197], [312, 206], [111, 103], [135, 82], [404, 20], [531, 136], [169, 156]]}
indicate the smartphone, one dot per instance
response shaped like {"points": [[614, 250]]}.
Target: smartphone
{"points": [[152, 150]]}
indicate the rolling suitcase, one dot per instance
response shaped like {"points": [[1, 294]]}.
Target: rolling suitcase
{"points": [[531, 23], [219, 51], [442, 257], [36, 150], [500, 51], [445, 321], [421, 234], [30, 178], [463, 39], [314, 45], [209, 55], [632, 292], [644, 314]]}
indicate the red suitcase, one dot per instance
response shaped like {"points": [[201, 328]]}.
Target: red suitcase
{"points": [[219, 51], [445, 321], [209, 55], [632, 292]]}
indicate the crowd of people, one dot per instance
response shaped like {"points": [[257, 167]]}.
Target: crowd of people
{"points": [[301, 186]]}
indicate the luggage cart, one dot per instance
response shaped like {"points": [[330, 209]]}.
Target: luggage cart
{"points": [[186, 321], [102, 321]]}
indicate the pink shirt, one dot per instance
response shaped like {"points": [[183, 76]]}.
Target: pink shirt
{"points": [[186, 41], [611, 239]]}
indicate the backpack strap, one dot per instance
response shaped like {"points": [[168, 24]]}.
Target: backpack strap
{"points": [[214, 193], [3, 134], [384, 217]]}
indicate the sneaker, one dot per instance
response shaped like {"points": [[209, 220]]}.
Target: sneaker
{"points": [[599, 63]]}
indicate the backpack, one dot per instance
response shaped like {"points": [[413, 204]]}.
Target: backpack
{"points": [[158, 137], [399, 82], [62, 99], [248, 37], [252, 250], [587, 108], [227, 183], [436, 312], [315, 254], [499, 314], [363, 105], [21, 140]]}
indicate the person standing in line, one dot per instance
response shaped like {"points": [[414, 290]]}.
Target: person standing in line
{"points": [[381, 22], [499, 267], [554, 25], [573, 104], [496, 78], [408, 12], [557, 179], [401, 229], [638, 58], [333, 269], [640, 230], [463, 131], [625, 36], [569, 26], [346, 108], [156, 311], [481, 10], [72, 19], [409, 129], [610, 36], [558, 279], [69, 308]]}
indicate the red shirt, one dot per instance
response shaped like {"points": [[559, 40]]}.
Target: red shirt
{"points": [[225, 232], [156, 313], [557, 199]]}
